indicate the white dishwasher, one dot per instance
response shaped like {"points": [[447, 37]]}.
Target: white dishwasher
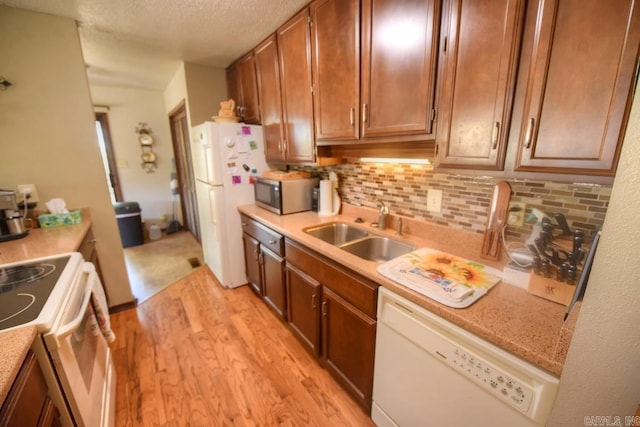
{"points": [[430, 372]]}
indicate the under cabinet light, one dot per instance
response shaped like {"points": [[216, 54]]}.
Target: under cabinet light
{"points": [[395, 160]]}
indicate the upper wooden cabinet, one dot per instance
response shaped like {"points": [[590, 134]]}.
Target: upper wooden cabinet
{"points": [[399, 55], [268, 77], [294, 52], [242, 86], [479, 52], [374, 68], [336, 68], [577, 80]]}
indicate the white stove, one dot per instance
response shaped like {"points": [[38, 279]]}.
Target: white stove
{"points": [[60, 295], [32, 292]]}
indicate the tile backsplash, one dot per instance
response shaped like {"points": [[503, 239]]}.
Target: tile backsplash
{"points": [[465, 199]]}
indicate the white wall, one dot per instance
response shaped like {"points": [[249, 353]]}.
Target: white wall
{"points": [[47, 131], [127, 108], [176, 91], [206, 87], [602, 373]]}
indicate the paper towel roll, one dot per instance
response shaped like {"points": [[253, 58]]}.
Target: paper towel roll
{"points": [[326, 197]]}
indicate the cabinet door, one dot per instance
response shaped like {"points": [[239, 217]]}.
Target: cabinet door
{"points": [[294, 47], [578, 85], [249, 104], [273, 280], [252, 262], [399, 52], [303, 307], [479, 52], [268, 77], [348, 344], [336, 68]]}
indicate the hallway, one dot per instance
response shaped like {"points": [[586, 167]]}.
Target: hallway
{"points": [[157, 264]]}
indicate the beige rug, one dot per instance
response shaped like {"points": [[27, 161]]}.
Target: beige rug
{"points": [[159, 263]]}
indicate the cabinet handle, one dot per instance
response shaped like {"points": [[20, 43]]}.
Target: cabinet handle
{"points": [[91, 241], [261, 259], [529, 135], [364, 113], [272, 242], [352, 114], [239, 111], [313, 301], [244, 224], [494, 137], [324, 308]]}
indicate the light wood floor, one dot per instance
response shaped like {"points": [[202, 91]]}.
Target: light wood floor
{"points": [[196, 354]]}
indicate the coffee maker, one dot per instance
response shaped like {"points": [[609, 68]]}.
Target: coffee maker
{"points": [[11, 222]]}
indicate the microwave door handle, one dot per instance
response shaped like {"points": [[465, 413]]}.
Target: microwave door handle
{"points": [[73, 325]]}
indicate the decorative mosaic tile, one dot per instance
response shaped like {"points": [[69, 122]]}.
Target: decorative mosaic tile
{"points": [[465, 199]]}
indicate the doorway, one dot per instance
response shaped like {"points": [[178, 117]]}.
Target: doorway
{"points": [[184, 169], [108, 156]]}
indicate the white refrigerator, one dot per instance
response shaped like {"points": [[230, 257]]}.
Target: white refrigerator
{"points": [[226, 159]]}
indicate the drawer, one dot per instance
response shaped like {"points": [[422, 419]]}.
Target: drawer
{"points": [[358, 291], [266, 236]]}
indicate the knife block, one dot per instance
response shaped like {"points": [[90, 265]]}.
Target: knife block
{"points": [[551, 289]]}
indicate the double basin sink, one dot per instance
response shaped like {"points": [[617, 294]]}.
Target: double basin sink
{"points": [[359, 242]]}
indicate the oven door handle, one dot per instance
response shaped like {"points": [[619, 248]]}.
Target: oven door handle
{"points": [[73, 325]]}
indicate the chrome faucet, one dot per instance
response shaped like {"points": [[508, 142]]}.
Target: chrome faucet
{"points": [[382, 215]]}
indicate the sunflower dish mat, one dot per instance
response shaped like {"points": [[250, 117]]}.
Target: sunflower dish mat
{"points": [[448, 279]]}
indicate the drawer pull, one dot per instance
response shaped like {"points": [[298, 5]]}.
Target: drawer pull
{"points": [[494, 138], [272, 242], [529, 135]]}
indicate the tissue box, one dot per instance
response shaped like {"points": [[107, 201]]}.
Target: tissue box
{"points": [[59, 220]]}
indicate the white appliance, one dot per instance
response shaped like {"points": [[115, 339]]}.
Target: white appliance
{"points": [[227, 157], [429, 371], [57, 295]]}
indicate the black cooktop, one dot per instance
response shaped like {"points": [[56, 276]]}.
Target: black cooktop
{"points": [[25, 288]]}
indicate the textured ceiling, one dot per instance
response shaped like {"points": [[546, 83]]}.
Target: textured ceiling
{"points": [[140, 43]]}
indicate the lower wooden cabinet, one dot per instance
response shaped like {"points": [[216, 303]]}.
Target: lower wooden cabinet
{"points": [[27, 403], [329, 308], [88, 250], [348, 345], [273, 281], [264, 263], [252, 262], [332, 311], [303, 301]]}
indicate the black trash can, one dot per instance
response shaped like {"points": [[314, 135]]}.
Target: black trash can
{"points": [[129, 219]]}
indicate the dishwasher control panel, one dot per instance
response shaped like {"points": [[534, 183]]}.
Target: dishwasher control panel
{"points": [[492, 379]]}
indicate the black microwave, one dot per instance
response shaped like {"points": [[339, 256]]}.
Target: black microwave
{"points": [[284, 196]]}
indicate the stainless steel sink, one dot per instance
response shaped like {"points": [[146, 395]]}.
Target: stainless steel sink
{"points": [[377, 248], [336, 233]]}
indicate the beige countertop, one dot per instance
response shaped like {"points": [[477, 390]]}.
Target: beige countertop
{"points": [[40, 242], [525, 325], [14, 346]]}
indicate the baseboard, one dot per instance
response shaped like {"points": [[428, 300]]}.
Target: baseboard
{"points": [[123, 307]]}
